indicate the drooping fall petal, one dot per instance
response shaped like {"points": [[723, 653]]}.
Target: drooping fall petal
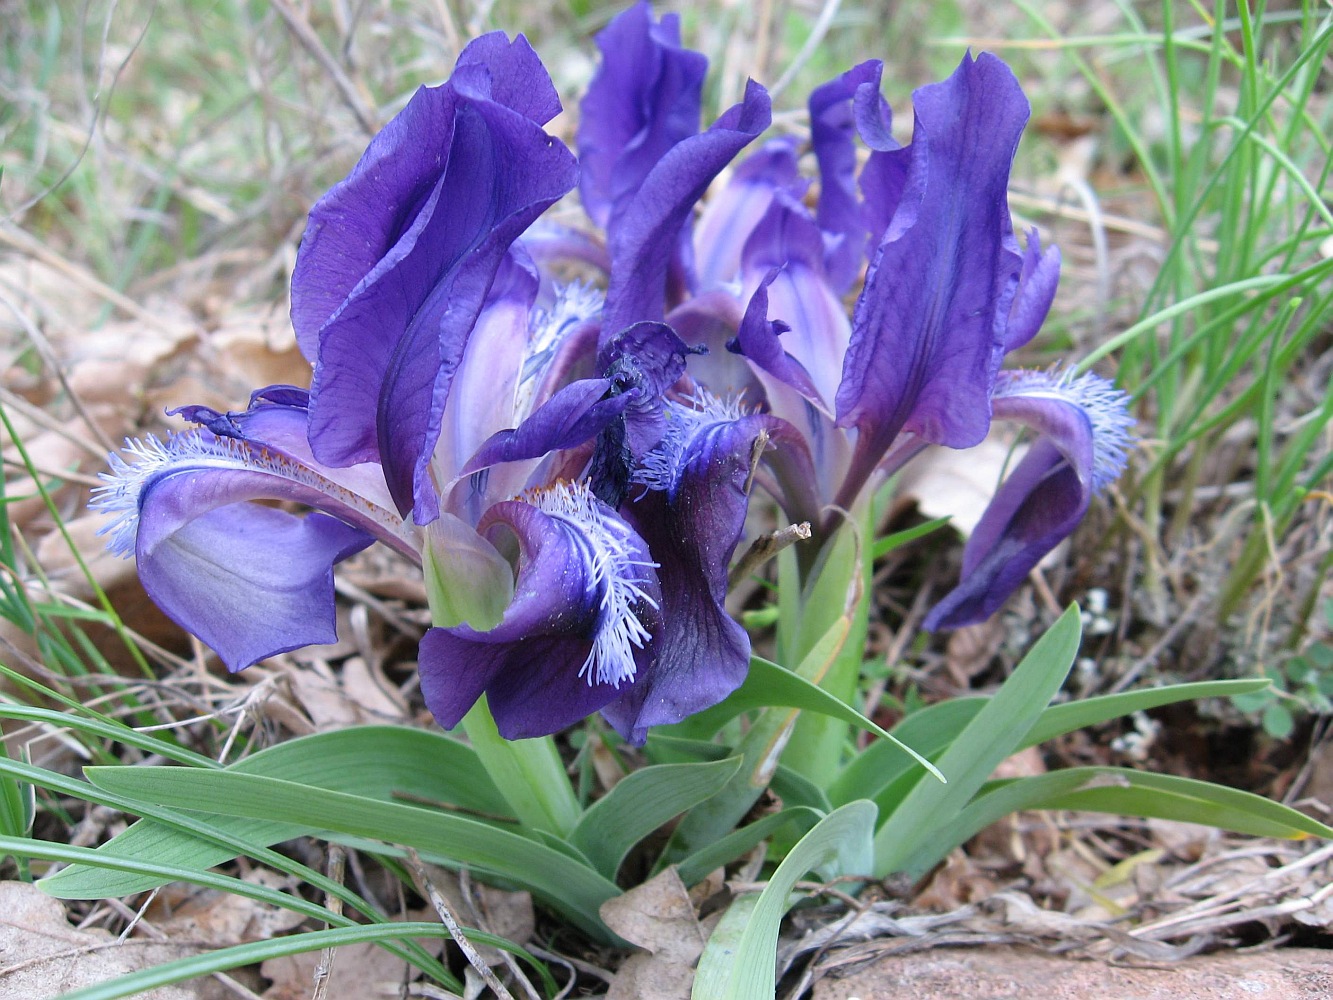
{"points": [[577, 632], [1083, 428]]}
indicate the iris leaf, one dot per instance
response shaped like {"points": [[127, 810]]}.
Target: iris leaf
{"points": [[989, 738], [743, 967], [564, 883]]}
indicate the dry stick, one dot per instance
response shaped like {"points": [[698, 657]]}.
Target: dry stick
{"points": [[809, 48], [242, 991], [29, 247], [81, 478], [48, 355], [337, 864], [43, 419], [764, 548], [455, 930], [305, 34], [511, 963]]}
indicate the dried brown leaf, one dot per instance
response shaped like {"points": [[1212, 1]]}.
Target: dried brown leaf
{"points": [[42, 955]]}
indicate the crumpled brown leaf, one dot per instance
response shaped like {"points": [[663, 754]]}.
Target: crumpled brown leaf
{"points": [[42, 955], [657, 916]]}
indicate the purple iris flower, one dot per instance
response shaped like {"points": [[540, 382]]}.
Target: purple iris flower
{"points": [[572, 467], [762, 278], [478, 419]]}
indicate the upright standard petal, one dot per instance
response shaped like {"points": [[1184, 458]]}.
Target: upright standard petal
{"points": [[645, 98], [730, 217], [362, 218], [1084, 427], [575, 635], [1036, 291], [388, 353], [644, 237], [928, 329], [832, 129], [800, 296]]}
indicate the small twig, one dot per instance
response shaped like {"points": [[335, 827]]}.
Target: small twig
{"points": [[43, 347], [43, 419], [764, 548], [455, 930], [162, 937], [31, 247], [511, 963], [587, 968], [305, 34], [808, 49], [337, 865], [69, 477]]}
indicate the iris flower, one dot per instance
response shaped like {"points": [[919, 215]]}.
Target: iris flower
{"points": [[475, 418], [572, 467], [947, 292]]}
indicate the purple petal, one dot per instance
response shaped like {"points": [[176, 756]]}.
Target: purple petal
{"points": [[692, 525], [482, 397], [575, 414], [644, 361], [269, 439], [644, 236], [575, 635], [928, 329], [1084, 428], [388, 353], [710, 321], [363, 217], [832, 128], [800, 296], [730, 217], [249, 581], [1036, 291], [644, 99], [492, 68], [759, 340]]}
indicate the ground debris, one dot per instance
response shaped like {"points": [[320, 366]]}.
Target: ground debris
{"points": [[43, 955]]}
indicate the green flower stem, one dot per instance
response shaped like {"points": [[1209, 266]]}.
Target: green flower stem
{"points": [[759, 750], [529, 774], [838, 586]]}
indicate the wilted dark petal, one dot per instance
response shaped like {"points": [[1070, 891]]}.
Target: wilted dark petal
{"points": [[730, 216], [832, 129], [1083, 427], [572, 416], [928, 330], [1036, 291], [692, 521], [644, 99], [575, 635], [388, 357], [643, 238], [643, 361]]}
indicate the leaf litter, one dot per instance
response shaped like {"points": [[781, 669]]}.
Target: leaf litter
{"points": [[208, 330]]}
